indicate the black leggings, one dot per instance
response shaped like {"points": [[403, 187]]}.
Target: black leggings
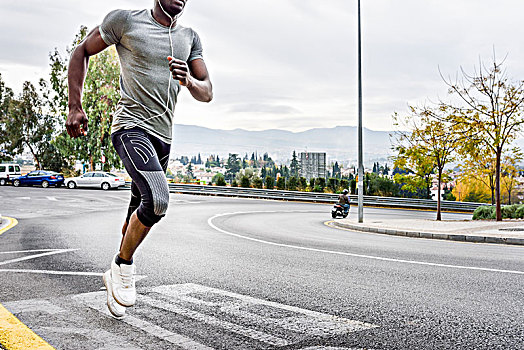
{"points": [[145, 158]]}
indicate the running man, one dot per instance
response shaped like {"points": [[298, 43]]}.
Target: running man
{"points": [[157, 57]]}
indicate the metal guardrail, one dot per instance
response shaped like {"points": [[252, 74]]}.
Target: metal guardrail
{"points": [[397, 202]]}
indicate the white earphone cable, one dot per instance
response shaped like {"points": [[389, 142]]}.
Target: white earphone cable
{"points": [[168, 98]]}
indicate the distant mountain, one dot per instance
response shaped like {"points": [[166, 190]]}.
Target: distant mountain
{"points": [[340, 143]]}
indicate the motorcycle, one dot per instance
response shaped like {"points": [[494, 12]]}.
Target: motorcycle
{"points": [[339, 210]]}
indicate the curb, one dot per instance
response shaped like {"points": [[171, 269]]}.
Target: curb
{"points": [[431, 235], [7, 223]]}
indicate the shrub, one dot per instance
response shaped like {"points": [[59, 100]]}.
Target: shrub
{"points": [[257, 182], [484, 212], [302, 183], [270, 182], [292, 184], [519, 214], [244, 181], [281, 183], [317, 188], [510, 211], [344, 184], [219, 180], [234, 183]]}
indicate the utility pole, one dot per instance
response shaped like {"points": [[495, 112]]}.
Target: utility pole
{"points": [[360, 184]]}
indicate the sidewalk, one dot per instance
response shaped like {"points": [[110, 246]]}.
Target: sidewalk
{"points": [[505, 232]]}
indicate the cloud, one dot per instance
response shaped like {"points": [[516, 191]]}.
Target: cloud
{"points": [[292, 63]]}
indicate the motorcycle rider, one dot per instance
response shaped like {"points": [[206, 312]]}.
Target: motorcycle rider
{"points": [[343, 200]]}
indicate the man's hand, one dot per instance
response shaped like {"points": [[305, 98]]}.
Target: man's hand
{"points": [[180, 71], [76, 123]]}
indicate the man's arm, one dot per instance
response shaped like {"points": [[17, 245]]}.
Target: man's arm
{"points": [[76, 123], [194, 76]]}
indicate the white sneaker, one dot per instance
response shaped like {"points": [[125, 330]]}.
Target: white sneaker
{"points": [[123, 283], [115, 308]]}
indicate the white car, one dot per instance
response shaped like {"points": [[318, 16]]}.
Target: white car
{"points": [[98, 179], [8, 172]]}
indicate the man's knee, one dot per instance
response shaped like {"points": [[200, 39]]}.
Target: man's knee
{"points": [[160, 203], [148, 217]]}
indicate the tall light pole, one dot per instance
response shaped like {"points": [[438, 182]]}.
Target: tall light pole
{"points": [[360, 153]]}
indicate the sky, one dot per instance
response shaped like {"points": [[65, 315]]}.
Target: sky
{"points": [[292, 64]]}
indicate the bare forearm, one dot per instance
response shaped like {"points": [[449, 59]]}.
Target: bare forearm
{"points": [[76, 75], [201, 90]]}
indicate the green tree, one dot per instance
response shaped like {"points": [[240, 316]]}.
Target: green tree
{"points": [[510, 172], [219, 180], [320, 184], [27, 126], [333, 184], [491, 112], [336, 170], [353, 186], [292, 183], [429, 141], [281, 183], [270, 182], [233, 166], [6, 96], [294, 167], [302, 183], [479, 163], [245, 181], [257, 182], [418, 169], [344, 184], [100, 98], [189, 171], [380, 186], [448, 194]]}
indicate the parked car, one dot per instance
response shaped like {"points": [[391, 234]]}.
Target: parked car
{"points": [[8, 172], [44, 178], [99, 179]]}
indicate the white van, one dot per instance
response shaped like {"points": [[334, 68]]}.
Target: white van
{"points": [[8, 172]]}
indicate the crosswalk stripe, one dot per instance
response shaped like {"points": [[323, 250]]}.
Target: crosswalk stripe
{"points": [[300, 320], [96, 301], [197, 316]]}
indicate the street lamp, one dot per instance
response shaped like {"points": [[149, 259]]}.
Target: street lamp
{"points": [[360, 153]]}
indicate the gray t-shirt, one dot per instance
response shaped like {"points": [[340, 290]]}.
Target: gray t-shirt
{"points": [[143, 46]]}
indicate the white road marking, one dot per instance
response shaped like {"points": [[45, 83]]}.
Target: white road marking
{"points": [[96, 301], [296, 320], [29, 251], [414, 262], [213, 321], [33, 305], [49, 272], [29, 257], [52, 198], [23, 198], [184, 201], [110, 341], [234, 313]]}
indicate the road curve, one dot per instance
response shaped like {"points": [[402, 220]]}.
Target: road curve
{"points": [[226, 273]]}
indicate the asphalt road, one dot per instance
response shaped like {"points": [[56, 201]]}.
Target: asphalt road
{"points": [[227, 273]]}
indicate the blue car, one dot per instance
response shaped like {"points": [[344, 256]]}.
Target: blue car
{"points": [[42, 178]]}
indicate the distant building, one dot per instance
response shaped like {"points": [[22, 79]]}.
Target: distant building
{"points": [[312, 165]]}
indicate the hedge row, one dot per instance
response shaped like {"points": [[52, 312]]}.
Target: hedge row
{"points": [[515, 211]]}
